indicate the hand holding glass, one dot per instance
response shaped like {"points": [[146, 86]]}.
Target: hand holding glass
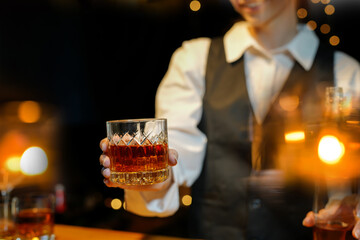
{"points": [[335, 211], [138, 151]]}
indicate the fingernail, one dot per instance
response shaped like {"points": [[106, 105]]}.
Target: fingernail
{"points": [[103, 147], [357, 234], [176, 156]]}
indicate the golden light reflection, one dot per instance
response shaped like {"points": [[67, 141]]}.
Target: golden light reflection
{"points": [[34, 161], [325, 1], [302, 13], [312, 25], [355, 122], [195, 5], [186, 200], [329, 9], [334, 40], [29, 112], [13, 143], [330, 149], [13, 163], [116, 204], [325, 28], [289, 103], [297, 136]]}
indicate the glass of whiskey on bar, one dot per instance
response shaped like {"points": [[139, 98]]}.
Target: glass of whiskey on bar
{"points": [[34, 215], [138, 151]]}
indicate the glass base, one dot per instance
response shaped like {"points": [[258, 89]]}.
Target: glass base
{"points": [[140, 178], [42, 237]]}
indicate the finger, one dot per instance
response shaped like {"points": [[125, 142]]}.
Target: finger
{"points": [[309, 220], [104, 159], [173, 157], [105, 172], [356, 230], [104, 144]]}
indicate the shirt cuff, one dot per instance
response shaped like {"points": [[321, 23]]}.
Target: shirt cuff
{"points": [[162, 203]]}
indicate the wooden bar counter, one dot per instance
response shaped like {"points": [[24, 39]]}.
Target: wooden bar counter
{"points": [[67, 232]]}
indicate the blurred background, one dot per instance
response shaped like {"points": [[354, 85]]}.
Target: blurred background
{"points": [[67, 66]]}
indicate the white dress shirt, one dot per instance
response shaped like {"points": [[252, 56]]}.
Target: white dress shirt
{"points": [[180, 94]]}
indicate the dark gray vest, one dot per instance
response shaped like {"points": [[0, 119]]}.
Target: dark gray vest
{"points": [[226, 203]]}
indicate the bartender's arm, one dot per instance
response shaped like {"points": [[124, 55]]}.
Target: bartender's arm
{"points": [[179, 100]]}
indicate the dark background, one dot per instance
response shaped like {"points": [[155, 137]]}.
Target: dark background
{"points": [[98, 60]]}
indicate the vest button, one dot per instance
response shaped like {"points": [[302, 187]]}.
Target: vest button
{"points": [[255, 204]]}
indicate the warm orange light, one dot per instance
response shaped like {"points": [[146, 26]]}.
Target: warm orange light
{"points": [[334, 40], [13, 163], [195, 5], [353, 122], [330, 149], [329, 9], [116, 204], [289, 103], [295, 136], [302, 13], [13, 143], [312, 25], [325, 28], [29, 111], [186, 200]]}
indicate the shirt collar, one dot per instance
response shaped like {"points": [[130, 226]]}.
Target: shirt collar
{"points": [[302, 48]]}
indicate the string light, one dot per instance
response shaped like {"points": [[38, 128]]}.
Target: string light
{"points": [[195, 5], [116, 204], [186, 200], [329, 10], [325, 28], [312, 25], [334, 40], [302, 13]]}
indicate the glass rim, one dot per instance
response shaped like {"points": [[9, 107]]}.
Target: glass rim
{"points": [[136, 120]]}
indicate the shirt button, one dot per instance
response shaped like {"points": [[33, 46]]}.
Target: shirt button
{"points": [[255, 204]]}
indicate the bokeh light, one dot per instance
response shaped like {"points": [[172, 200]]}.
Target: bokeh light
{"points": [[186, 200], [29, 112], [334, 40], [297, 136], [302, 13], [325, 1], [195, 5], [312, 25], [330, 149], [325, 28], [13, 163], [329, 9], [116, 204], [34, 161]]}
